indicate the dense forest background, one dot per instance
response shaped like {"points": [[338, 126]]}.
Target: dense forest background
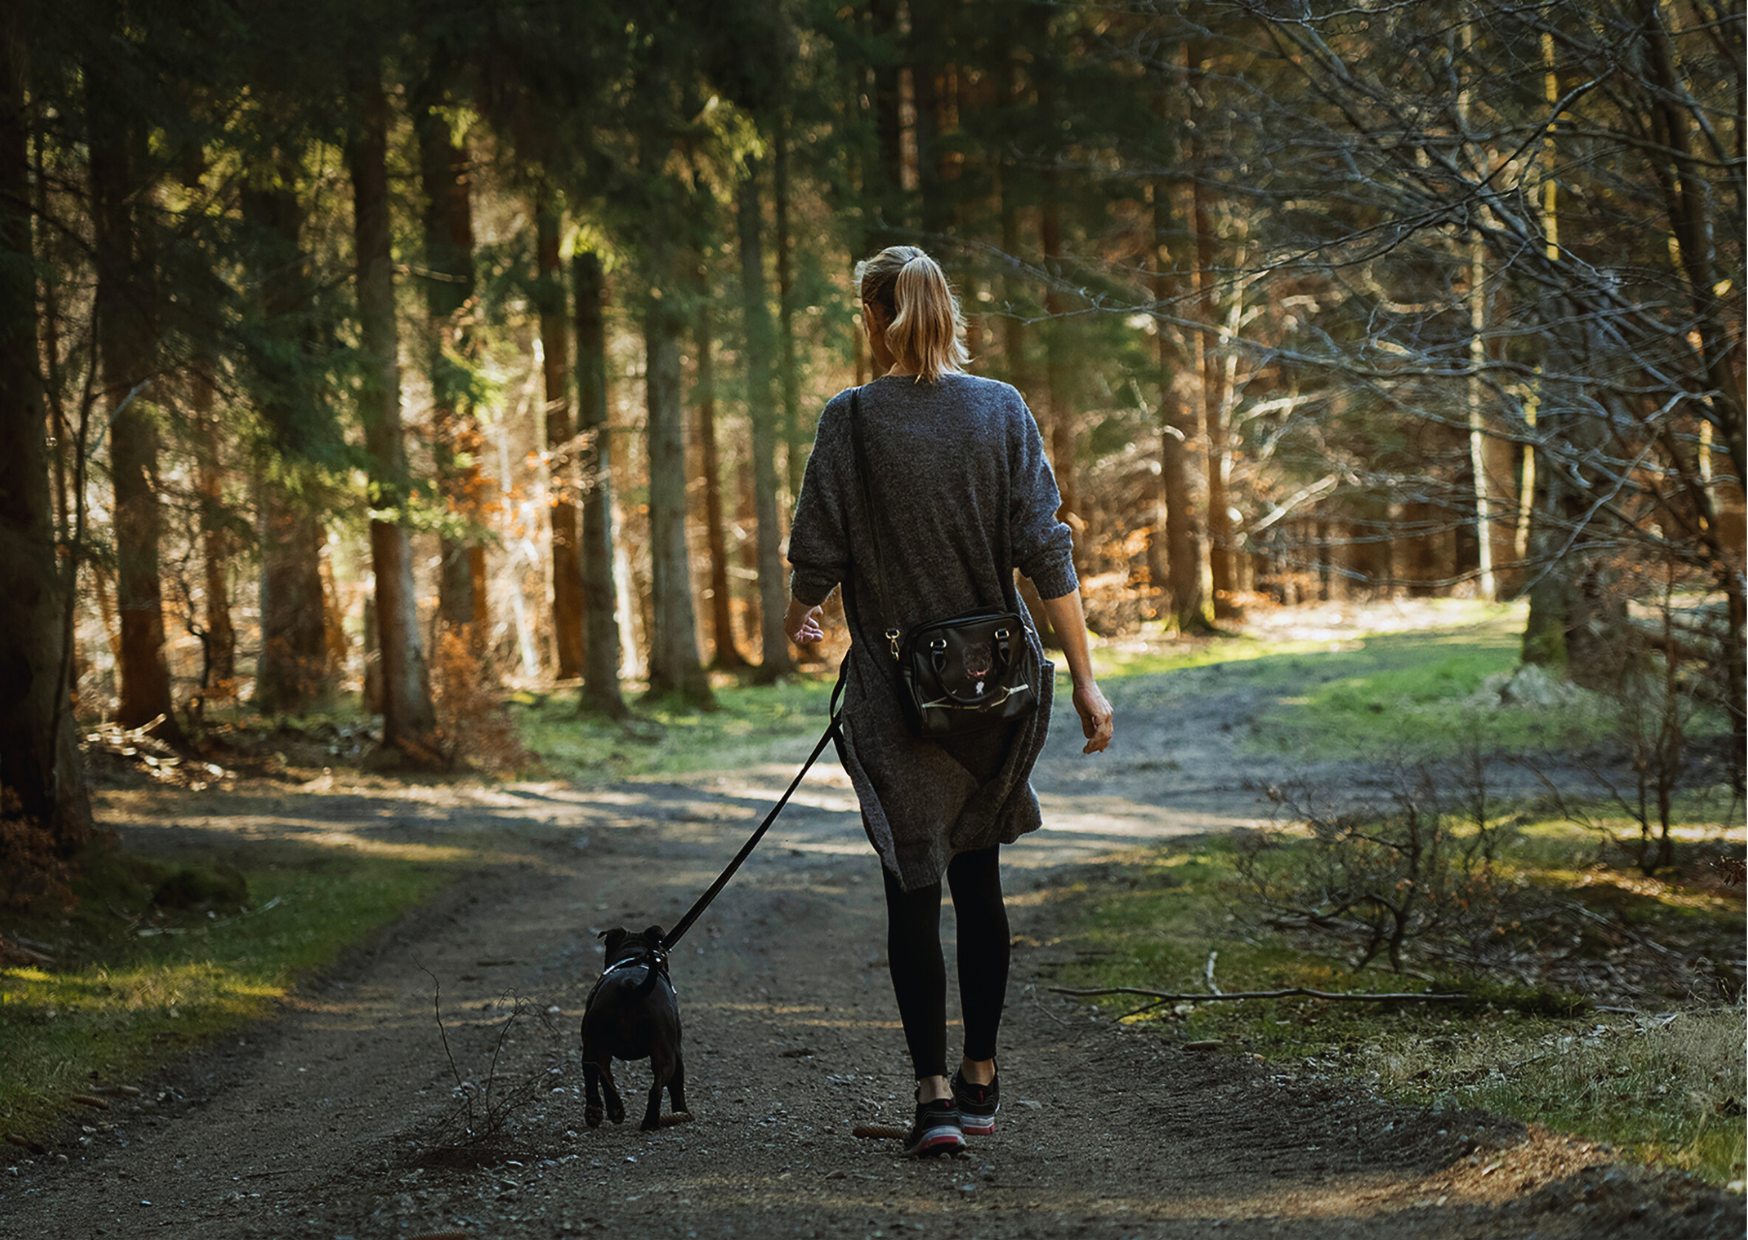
{"points": [[410, 349]]}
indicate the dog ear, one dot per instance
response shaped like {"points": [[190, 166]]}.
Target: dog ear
{"points": [[653, 935], [614, 938]]}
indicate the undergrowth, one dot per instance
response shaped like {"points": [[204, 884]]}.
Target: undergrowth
{"points": [[1667, 1087]]}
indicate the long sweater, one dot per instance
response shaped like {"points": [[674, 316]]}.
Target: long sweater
{"points": [[963, 495]]}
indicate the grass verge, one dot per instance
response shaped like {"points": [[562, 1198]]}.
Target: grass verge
{"points": [[131, 981], [1380, 687], [751, 725], [1667, 1088]]}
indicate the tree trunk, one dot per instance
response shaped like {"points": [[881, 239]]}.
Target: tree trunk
{"points": [[746, 515], [886, 206], [1178, 476], [674, 666], [727, 656], [1211, 378], [408, 718], [221, 636], [795, 451], [928, 82], [1013, 286], [567, 571], [124, 341], [292, 668], [292, 672], [448, 236], [1057, 398], [40, 764], [774, 659], [595, 469]]}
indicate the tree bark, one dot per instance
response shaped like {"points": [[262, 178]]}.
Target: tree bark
{"points": [[726, 655], [567, 572], [774, 659], [408, 717], [124, 340], [795, 451], [1012, 286], [292, 668], [40, 764], [1211, 377], [1184, 546], [887, 207], [595, 469], [444, 173], [674, 666], [1056, 371], [221, 636], [291, 674]]}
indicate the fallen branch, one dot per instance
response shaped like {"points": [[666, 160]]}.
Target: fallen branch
{"points": [[1290, 992]]}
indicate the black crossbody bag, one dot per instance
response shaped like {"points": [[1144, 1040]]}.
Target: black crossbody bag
{"points": [[965, 673]]}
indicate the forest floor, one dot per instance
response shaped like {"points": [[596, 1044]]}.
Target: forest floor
{"points": [[335, 1119]]}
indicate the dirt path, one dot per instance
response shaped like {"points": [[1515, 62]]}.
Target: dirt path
{"points": [[321, 1123]]}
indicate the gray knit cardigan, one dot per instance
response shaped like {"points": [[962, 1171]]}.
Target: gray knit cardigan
{"points": [[963, 495]]}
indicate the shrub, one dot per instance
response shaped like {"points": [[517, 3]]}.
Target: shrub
{"points": [[1377, 878], [476, 727]]}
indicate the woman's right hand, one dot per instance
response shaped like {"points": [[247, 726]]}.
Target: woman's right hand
{"points": [[802, 624], [1097, 721]]}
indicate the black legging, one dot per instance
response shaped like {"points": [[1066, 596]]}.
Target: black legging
{"points": [[919, 974]]}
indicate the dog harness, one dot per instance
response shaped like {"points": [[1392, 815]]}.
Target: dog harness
{"points": [[652, 957]]}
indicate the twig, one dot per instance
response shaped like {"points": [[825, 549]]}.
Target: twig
{"points": [[1253, 994], [437, 1007], [1145, 1007], [497, 1048], [1632, 934]]}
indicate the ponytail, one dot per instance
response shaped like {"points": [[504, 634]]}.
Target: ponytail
{"points": [[924, 328]]}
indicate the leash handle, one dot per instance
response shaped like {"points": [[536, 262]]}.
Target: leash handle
{"points": [[703, 901]]}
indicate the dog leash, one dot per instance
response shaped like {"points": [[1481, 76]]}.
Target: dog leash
{"points": [[832, 729]]}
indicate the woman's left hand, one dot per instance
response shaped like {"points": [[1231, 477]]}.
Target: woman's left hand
{"points": [[802, 624]]}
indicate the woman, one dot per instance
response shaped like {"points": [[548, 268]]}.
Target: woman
{"points": [[963, 495]]}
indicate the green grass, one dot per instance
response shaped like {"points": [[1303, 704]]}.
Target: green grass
{"points": [[1373, 695], [751, 725], [129, 987], [1421, 692], [1666, 1090]]}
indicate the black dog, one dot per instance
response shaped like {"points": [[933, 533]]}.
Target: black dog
{"points": [[632, 1013]]}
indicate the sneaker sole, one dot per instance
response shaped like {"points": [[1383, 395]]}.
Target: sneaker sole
{"points": [[980, 1126], [942, 1139]]}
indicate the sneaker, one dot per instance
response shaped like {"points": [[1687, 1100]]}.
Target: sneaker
{"points": [[977, 1105], [936, 1130]]}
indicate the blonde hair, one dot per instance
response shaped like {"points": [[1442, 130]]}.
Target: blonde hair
{"points": [[924, 328]]}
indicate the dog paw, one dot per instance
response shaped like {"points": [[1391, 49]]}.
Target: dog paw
{"points": [[592, 1117], [617, 1115]]}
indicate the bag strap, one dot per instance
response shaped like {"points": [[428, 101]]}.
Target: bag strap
{"points": [[863, 473], [703, 902]]}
